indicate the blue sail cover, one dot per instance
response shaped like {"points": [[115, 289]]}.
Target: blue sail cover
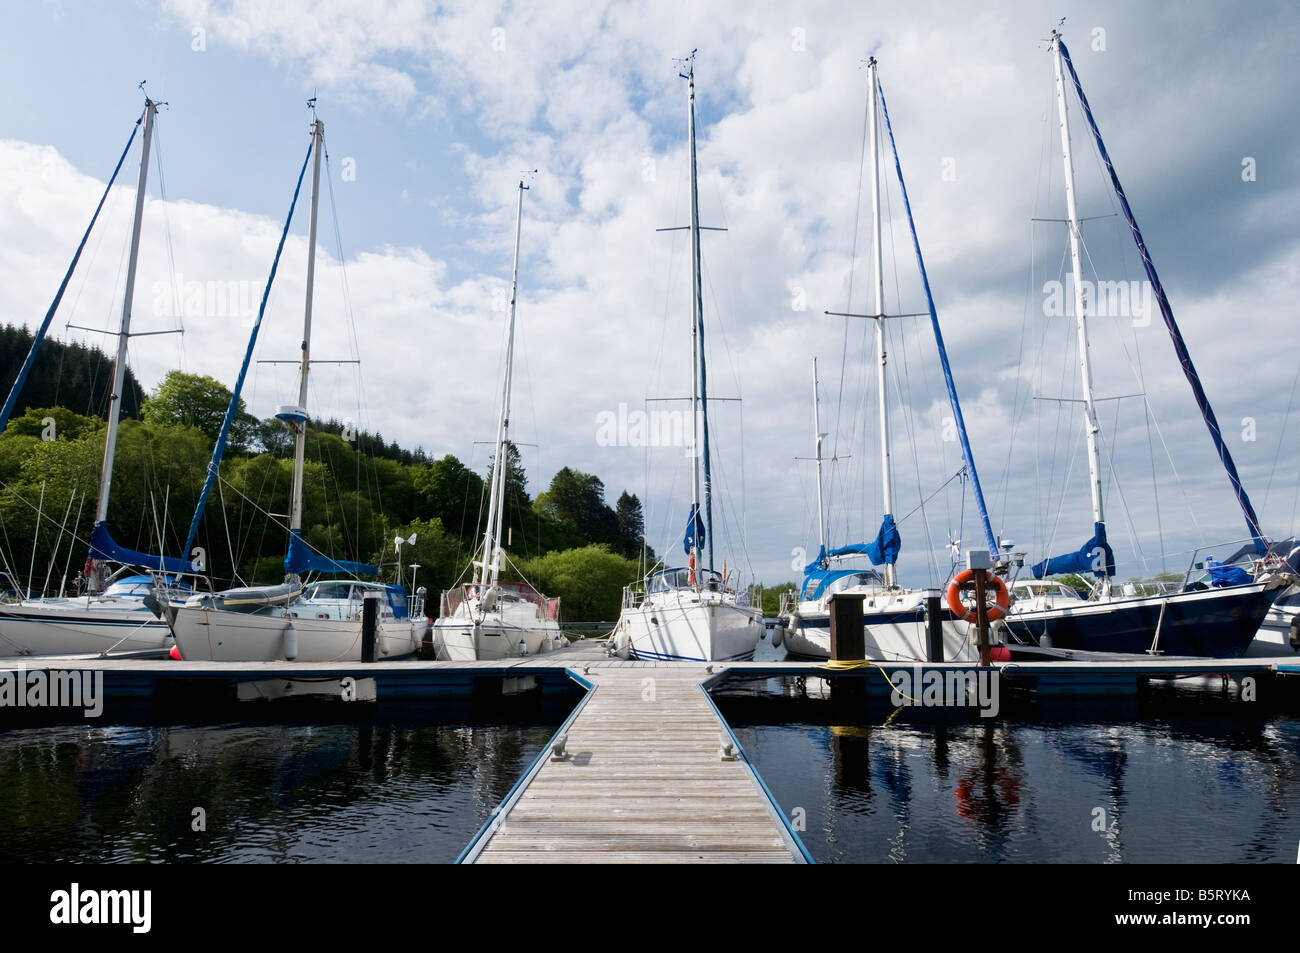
{"points": [[1167, 312], [694, 538], [888, 542], [103, 546], [884, 549], [302, 558], [1221, 575], [818, 563], [816, 582], [1081, 561]]}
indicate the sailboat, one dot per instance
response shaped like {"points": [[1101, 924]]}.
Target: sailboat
{"points": [[894, 617], [1219, 619], [691, 613], [317, 622], [119, 612], [491, 618]]}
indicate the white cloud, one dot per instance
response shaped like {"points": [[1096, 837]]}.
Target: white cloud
{"points": [[587, 93]]}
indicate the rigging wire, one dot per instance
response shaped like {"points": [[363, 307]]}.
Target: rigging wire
{"points": [[853, 259]]}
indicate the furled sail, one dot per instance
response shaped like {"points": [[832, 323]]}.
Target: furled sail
{"points": [[966, 451], [302, 558], [1167, 312], [103, 546], [1095, 556], [694, 538], [883, 549]]}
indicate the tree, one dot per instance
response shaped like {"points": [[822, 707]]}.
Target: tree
{"points": [[516, 480], [195, 400], [589, 581], [66, 375], [771, 597], [578, 500], [437, 553], [631, 524], [1074, 581], [450, 492]]}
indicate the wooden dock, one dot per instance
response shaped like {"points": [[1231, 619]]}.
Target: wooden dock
{"points": [[643, 779]]}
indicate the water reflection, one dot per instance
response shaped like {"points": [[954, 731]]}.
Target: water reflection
{"points": [[1160, 778], [373, 791]]}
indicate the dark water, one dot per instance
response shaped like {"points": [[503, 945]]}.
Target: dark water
{"points": [[1177, 776], [380, 791]]}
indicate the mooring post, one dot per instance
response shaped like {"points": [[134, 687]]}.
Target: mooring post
{"points": [[848, 642], [933, 626], [980, 562], [369, 625]]}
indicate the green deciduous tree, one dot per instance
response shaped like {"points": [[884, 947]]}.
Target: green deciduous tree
{"points": [[194, 400], [589, 581]]}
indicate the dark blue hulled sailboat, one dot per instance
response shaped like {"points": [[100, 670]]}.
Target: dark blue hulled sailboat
{"points": [[1218, 617]]}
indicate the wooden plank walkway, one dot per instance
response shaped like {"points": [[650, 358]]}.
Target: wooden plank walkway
{"points": [[642, 782]]}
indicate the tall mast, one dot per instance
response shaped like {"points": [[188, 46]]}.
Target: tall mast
{"points": [[1089, 406], [300, 431], [488, 569], [886, 484], [699, 405], [817, 429], [124, 332]]}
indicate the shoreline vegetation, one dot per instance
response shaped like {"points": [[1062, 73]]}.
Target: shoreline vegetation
{"points": [[360, 492]]}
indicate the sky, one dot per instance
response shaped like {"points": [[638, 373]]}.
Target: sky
{"points": [[432, 112]]}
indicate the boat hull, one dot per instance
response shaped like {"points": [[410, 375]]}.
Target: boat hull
{"points": [[217, 635], [895, 632], [79, 628], [457, 640], [1212, 623], [678, 629]]}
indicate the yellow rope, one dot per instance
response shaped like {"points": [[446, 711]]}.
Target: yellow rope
{"points": [[842, 665]]}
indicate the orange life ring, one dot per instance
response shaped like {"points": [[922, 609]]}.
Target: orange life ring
{"points": [[966, 580]]}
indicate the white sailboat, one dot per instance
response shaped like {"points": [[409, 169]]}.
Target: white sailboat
{"points": [[488, 618], [112, 616], [692, 613], [319, 622], [894, 617]]}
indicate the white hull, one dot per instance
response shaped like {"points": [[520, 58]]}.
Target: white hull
{"points": [[690, 625], [471, 634], [217, 635], [894, 629], [80, 626]]}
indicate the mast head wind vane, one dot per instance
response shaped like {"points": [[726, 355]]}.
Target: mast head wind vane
{"points": [[686, 63], [148, 101]]}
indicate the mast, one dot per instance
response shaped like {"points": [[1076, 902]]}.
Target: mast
{"points": [[488, 569], [124, 331], [886, 484], [817, 429], [300, 430], [951, 385], [699, 396], [1166, 310], [1085, 367]]}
